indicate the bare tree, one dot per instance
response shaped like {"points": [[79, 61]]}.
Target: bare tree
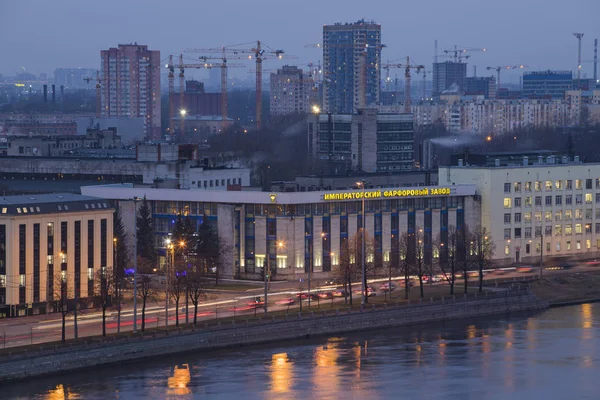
{"points": [[196, 282], [483, 249], [419, 258], [346, 271], [61, 300], [105, 287], [464, 245], [406, 260], [447, 253], [146, 292], [177, 279]]}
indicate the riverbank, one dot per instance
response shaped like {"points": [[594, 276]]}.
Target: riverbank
{"points": [[568, 289], [89, 354]]}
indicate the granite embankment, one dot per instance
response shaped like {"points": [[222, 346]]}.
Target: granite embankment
{"points": [[52, 359]]}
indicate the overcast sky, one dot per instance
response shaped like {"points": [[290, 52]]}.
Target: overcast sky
{"points": [[41, 35]]}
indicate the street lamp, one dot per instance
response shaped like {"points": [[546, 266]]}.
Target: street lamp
{"points": [[316, 109], [361, 184], [182, 113], [169, 246]]}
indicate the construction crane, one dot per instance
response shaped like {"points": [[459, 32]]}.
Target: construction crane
{"points": [[425, 72], [407, 67], [458, 54], [182, 66], [503, 67], [98, 92], [579, 36]]}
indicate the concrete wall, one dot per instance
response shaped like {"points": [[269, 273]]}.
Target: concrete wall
{"points": [[50, 361]]}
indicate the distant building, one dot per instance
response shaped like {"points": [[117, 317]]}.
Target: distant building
{"points": [[366, 141], [547, 84], [52, 247], [290, 90], [485, 86], [447, 76], [196, 101], [131, 85], [343, 45], [74, 78]]}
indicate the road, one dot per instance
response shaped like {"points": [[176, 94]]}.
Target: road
{"points": [[47, 328]]}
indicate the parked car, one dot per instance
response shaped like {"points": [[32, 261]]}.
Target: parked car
{"points": [[370, 291], [339, 292], [437, 278], [385, 287], [325, 295]]}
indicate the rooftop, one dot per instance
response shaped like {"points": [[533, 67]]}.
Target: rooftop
{"points": [[50, 204]]}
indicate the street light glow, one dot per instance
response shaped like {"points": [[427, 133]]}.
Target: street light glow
{"points": [[182, 113]]}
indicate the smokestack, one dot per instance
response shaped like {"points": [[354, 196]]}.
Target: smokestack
{"points": [[54, 93], [45, 93]]}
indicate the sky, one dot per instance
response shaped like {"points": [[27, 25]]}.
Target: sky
{"points": [[41, 35]]}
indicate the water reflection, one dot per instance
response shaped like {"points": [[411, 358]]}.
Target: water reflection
{"points": [[61, 393], [326, 373], [281, 373], [179, 381]]}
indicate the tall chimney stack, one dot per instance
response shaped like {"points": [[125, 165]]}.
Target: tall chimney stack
{"points": [[54, 93], [45, 93]]}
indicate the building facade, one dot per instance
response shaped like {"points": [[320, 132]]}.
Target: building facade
{"points": [[449, 75], [367, 141], [130, 77], [547, 84], [297, 232], [484, 86], [49, 239], [75, 78], [540, 204], [290, 91], [343, 48]]}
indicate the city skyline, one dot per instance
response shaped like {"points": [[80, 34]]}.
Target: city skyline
{"points": [[512, 33]]}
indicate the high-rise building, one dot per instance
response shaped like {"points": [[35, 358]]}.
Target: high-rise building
{"points": [[131, 85], [343, 48], [547, 84], [366, 141], [290, 89], [449, 76]]}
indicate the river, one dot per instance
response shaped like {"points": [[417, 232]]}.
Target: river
{"points": [[554, 354]]}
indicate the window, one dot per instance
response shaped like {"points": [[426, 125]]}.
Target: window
{"points": [[507, 233], [588, 244], [517, 233], [548, 216], [597, 227], [578, 229], [507, 218], [548, 247], [569, 184], [538, 231], [568, 229], [588, 183], [568, 245], [557, 246], [548, 200], [558, 230], [528, 232], [538, 201], [528, 217], [507, 188], [507, 250], [578, 213], [548, 230], [558, 216], [527, 248], [578, 245], [568, 215], [597, 197], [538, 216], [588, 228], [568, 200], [528, 201], [517, 217], [538, 186], [558, 185], [548, 186], [578, 184], [528, 186], [507, 202], [517, 202], [578, 199], [588, 213], [517, 187], [588, 198], [558, 200]]}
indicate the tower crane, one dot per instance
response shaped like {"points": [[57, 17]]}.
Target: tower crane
{"points": [[407, 67], [579, 36], [223, 65], [458, 54], [98, 92], [425, 72], [503, 67], [182, 66]]}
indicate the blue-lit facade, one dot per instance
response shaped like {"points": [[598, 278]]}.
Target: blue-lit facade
{"points": [[342, 48], [547, 84]]}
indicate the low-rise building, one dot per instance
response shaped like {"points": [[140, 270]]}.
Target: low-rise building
{"points": [[49, 239]]}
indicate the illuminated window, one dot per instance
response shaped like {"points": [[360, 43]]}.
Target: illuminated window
{"points": [[517, 186], [568, 229], [548, 185], [90, 274], [578, 245], [507, 202], [22, 280], [528, 201], [507, 250], [578, 213], [588, 244], [260, 261], [527, 217], [558, 185], [578, 184], [568, 215], [538, 186], [558, 216], [538, 216], [548, 216], [528, 186], [2, 281], [568, 245], [557, 246], [588, 198], [558, 230], [578, 228]]}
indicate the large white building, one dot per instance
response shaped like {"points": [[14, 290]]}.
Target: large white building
{"points": [[48, 238], [546, 203], [302, 231]]}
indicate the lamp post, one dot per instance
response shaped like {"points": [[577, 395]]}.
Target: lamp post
{"points": [[117, 280], [361, 184], [182, 244], [169, 252], [135, 263]]}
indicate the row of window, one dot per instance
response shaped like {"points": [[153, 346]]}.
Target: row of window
{"points": [[518, 233], [559, 215], [547, 200], [550, 185], [557, 246]]}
